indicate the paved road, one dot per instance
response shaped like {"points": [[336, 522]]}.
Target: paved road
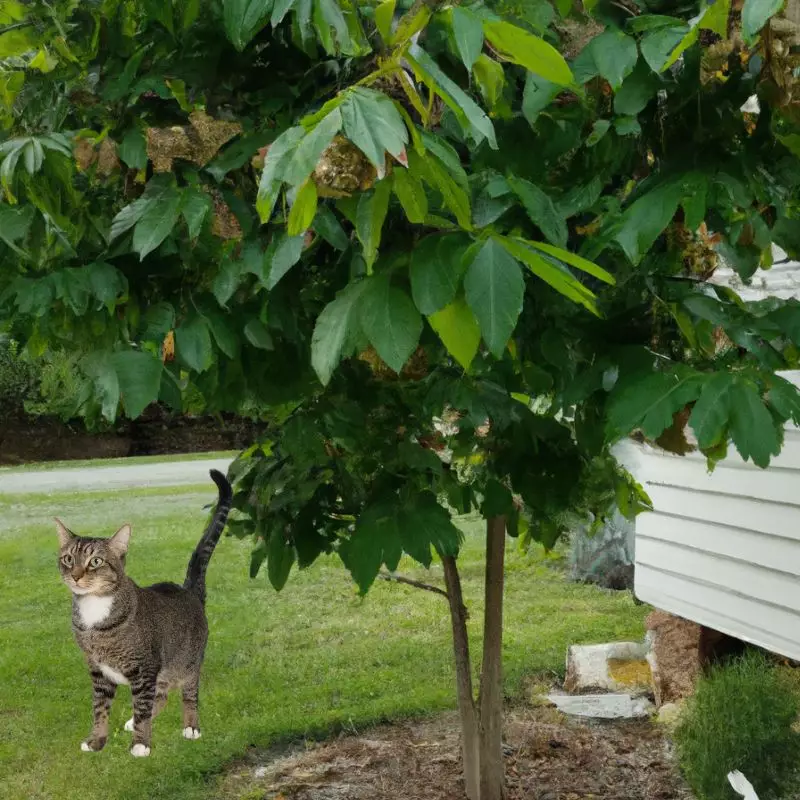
{"points": [[171, 473]]}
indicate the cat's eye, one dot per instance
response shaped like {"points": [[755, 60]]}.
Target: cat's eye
{"points": [[67, 560], [96, 562]]}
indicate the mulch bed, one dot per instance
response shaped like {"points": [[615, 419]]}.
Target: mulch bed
{"points": [[550, 757]]}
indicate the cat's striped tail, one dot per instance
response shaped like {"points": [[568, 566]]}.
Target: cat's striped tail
{"points": [[196, 571]]}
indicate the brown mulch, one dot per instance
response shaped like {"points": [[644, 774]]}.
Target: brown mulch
{"points": [[550, 757]]}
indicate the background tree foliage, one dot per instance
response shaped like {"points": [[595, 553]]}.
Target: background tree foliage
{"points": [[451, 252]]}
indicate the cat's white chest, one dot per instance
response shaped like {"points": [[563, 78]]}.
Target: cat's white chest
{"points": [[94, 609]]}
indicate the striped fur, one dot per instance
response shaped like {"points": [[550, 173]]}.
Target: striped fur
{"points": [[152, 638], [198, 563]]}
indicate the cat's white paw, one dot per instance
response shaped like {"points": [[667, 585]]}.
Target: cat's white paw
{"points": [[191, 733], [140, 751], [129, 725], [86, 748]]}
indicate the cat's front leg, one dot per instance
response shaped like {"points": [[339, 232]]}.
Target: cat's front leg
{"points": [[143, 689], [103, 691]]}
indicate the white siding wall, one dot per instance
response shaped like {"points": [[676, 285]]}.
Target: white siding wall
{"points": [[723, 549]]}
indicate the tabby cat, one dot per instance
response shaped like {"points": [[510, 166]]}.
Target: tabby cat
{"points": [[152, 637]]}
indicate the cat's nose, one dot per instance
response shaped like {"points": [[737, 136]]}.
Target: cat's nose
{"points": [[77, 573]]}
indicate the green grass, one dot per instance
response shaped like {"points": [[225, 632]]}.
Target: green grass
{"points": [[45, 466], [742, 716], [311, 659]]}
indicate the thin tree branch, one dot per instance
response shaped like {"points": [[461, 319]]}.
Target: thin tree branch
{"points": [[387, 576]]}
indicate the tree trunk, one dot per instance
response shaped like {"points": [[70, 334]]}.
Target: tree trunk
{"points": [[491, 688], [470, 739]]}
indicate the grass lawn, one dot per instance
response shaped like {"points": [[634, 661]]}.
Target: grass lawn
{"points": [[300, 663]]}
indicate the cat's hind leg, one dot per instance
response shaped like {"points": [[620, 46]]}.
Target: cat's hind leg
{"points": [[191, 723]]}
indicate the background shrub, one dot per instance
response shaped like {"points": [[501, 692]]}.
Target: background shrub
{"points": [[18, 379], [741, 717]]}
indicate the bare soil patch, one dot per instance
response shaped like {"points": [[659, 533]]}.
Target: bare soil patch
{"points": [[549, 757]]}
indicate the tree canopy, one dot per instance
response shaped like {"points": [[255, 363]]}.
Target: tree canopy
{"points": [[446, 250]]}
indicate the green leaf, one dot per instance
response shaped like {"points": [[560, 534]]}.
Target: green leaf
{"points": [[255, 331], [258, 556], [283, 253], [537, 95], [470, 115], [753, 429], [649, 402], [330, 229], [129, 216], [17, 42], [280, 559], [384, 16], [33, 154], [98, 366], [390, 321], [574, 260], [490, 78], [468, 35], [784, 397], [437, 267], [638, 89], [133, 149], [756, 14], [615, 55], [311, 147], [553, 273], [244, 19], [459, 331], [333, 328], [497, 500], [193, 344], [194, 209], [370, 216], [627, 126], [106, 283], [279, 157], [280, 10], [658, 45], [376, 540], [139, 378], [411, 194], [227, 280], [158, 320], [599, 130], [373, 123], [157, 221], [710, 414], [227, 341], [529, 51], [303, 210], [455, 198], [494, 288], [646, 220], [541, 210], [15, 223], [425, 524], [715, 17]]}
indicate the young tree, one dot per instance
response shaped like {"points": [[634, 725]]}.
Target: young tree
{"points": [[450, 252]]}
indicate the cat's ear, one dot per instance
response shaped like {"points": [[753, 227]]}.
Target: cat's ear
{"points": [[119, 541], [65, 535]]}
